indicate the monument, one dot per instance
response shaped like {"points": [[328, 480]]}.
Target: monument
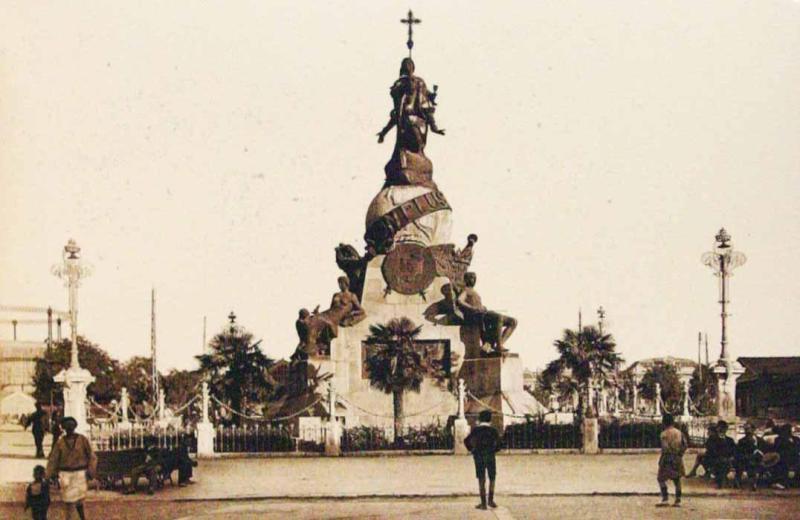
{"points": [[411, 269]]}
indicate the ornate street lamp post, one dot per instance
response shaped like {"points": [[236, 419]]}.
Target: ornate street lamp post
{"points": [[723, 260], [74, 379]]}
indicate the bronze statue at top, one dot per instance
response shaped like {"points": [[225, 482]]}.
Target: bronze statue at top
{"points": [[412, 114]]}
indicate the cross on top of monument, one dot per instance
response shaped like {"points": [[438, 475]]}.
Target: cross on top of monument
{"points": [[232, 318], [410, 21]]}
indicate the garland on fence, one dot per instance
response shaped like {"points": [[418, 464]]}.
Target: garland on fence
{"points": [[186, 404], [696, 410], [477, 400], [383, 416], [109, 411], [664, 406], [263, 418], [140, 418]]}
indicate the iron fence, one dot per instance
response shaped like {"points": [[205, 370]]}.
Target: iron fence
{"points": [[378, 438], [539, 435], [120, 439], [260, 438], [696, 431], [647, 434]]}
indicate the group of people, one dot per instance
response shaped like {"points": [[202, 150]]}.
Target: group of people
{"points": [[770, 458], [73, 462], [157, 464], [759, 458]]}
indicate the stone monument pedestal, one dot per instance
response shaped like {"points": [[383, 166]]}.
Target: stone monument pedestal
{"points": [[497, 382], [348, 356], [75, 381]]}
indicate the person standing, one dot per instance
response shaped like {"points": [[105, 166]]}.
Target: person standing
{"points": [[36, 422], [484, 442], [670, 464], [72, 458]]}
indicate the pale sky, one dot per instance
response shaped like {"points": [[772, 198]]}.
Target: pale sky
{"points": [[218, 151]]}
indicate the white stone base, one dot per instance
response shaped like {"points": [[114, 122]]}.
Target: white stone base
{"points": [[461, 428], [205, 439], [75, 381]]}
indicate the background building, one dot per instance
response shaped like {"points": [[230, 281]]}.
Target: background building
{"points": [[24, 336], [769, 387]]}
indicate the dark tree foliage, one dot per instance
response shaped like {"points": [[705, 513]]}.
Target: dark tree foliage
{"points": [[135, 374], [703, 389], [91, 357], [237, 370], [666, 375]]}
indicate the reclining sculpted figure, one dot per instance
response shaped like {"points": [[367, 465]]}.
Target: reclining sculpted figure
{"points": [[316, 330]]}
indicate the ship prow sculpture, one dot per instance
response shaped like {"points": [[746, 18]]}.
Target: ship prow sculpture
{"points": [[411, 270]]}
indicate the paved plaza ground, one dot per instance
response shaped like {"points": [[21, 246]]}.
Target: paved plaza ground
{"points": [[577, 507], [440, 486]]}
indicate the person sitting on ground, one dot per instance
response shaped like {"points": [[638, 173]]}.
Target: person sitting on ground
{"points": [[72, 459], [788, 449], [709, 455], [150, 468], [484, 442], [794, 464], [37, 494], [748, 458], [185, 463], [725, 454], [670, 464]]}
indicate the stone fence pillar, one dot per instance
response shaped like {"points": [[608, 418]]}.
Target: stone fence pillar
{"points": [[460, 425], [590, 429], [205, 430], [124, 404], [333, 434]]}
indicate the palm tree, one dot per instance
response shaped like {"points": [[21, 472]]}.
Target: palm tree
{"points": [[237, 369], [583, 357], [394, 364]]}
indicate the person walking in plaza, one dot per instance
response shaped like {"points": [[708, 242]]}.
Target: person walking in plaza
{"points": [[484, 442], [670, 464], [72, 458], [36, 421], [37, 494]]}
